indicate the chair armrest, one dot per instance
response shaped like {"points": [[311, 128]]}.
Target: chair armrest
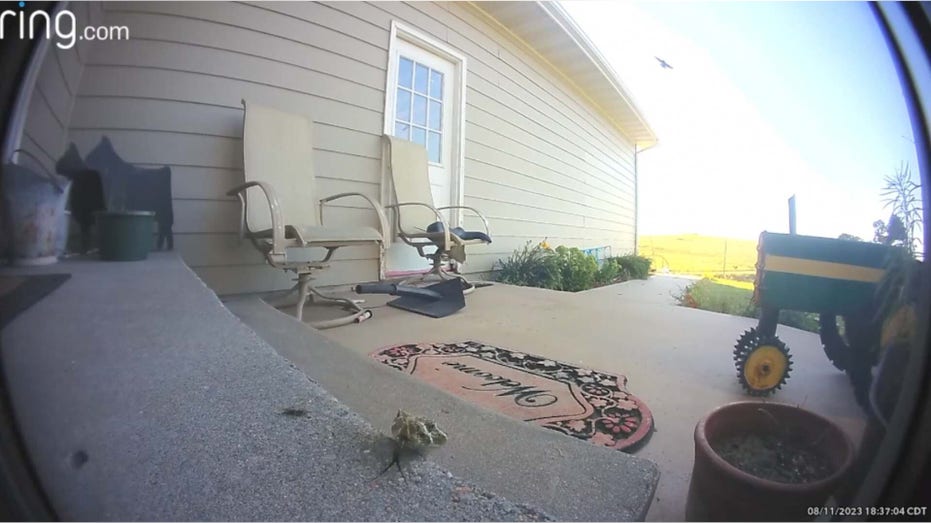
{"points": [[439, 217], [480, 215], [382, 219], [278, 244]]}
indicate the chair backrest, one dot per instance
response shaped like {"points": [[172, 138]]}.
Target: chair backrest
{"points": [[278, 148], [410, 177]]}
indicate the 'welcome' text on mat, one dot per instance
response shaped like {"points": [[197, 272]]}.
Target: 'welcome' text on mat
{"points": [[583, 403]]}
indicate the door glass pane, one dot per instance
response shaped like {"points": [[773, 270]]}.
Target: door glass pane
{"points": [[436, 84], [436, 115], [405, 72], [419, 107], [419, 136], [433, 147], [402, 130], [420, 79], [404, 105], [420, 110]]}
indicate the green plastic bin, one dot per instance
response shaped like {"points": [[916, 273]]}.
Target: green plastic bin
{"points": [[125, 235]]}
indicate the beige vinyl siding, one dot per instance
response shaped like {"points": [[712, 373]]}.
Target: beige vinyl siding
{"points": [[539, 160], [46, 125], [171, 96]]}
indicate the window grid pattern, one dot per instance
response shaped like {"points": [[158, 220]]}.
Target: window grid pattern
{"points": [[419, 110]]}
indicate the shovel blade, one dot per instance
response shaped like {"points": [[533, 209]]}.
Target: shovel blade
{"points": [[451, 300]]}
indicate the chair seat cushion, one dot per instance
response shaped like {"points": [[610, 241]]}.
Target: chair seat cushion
{"points": [[322, 236], [460, 232]]}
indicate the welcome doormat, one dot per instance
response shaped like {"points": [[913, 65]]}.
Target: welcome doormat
{"points": [[582, 403], [18, 293]]}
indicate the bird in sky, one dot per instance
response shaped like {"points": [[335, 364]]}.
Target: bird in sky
{"points": [[663, 63]]}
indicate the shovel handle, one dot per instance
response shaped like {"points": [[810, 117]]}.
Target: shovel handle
{"points": [[398, 290], [377, 288]]}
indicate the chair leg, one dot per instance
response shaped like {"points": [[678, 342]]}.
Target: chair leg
{"points": [[346, 302], [284, 300], [303, 284], [437, 270], [308, 293], [437, 265]]}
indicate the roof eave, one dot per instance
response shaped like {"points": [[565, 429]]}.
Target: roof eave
{"points": [[643, 134]]}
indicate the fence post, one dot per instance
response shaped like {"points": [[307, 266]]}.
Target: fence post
{"points": [[724, 267]]}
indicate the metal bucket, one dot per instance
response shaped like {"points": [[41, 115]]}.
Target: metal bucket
{"points": [[35, 214], [64, 228]]}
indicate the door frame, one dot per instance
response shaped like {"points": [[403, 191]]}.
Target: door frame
{"points": [[412, 36]]}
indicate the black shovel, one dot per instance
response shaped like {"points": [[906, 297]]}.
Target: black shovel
{"points": [[437, 301]]}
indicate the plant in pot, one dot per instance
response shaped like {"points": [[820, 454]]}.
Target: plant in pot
{"points": [[757, 461], [897, 296], [123, 235]]}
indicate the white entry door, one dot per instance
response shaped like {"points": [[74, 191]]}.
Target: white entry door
{"points": [[424, 89]]}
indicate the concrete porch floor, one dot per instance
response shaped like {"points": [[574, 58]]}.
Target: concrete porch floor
{"points": [[677, 360]]}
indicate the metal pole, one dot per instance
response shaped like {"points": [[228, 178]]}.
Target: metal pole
{"points": [[792, 214], [724, 267], [636, 202]]}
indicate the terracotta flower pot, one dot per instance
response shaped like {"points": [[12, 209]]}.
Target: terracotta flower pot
{"points": [[719, 491]]}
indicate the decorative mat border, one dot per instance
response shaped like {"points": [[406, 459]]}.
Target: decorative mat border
{"points": [[619, 420]]}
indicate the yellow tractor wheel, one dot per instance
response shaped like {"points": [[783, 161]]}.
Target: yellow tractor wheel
{"points": [[763, 363]]}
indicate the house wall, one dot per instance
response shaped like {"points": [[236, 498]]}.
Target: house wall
{"points": [[52, 99], [539, 162]]}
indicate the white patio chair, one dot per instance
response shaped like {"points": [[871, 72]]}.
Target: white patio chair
{"points": [[418, 222], [281, 213]]}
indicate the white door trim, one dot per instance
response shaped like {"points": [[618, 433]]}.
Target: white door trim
{"points": [[457, 169]]}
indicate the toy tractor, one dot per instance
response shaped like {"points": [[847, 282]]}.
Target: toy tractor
{"points": [[830, 277]]}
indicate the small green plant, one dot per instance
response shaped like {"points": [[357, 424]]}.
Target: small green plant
{"points": [[567, 268], [577, 269], [610, 272], [531, 266], [903, 195], [636, 267]]}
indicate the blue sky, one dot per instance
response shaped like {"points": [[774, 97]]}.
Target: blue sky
{"points": [[765, 100]]}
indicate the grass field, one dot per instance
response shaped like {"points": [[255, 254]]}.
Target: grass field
{"points": [[700, 255], [712, 296], [708, 295], [705, 256]]}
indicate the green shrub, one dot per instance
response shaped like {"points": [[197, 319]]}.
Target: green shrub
{"points": [[568, 268], [531, 266], [636, 267], [609, 272], [577, 269]]}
